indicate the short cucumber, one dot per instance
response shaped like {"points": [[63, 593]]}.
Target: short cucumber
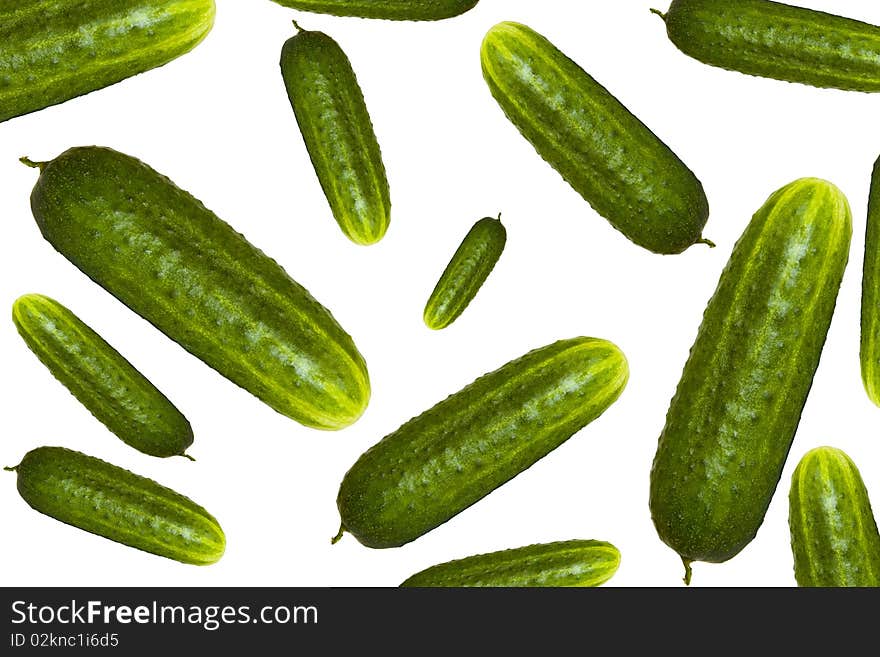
{"points": [[869, 352], [605, 153], [834, 537], [106, 500], [336, 127], [54, 50], [102, 380], [454, 454], [734, 415], [566, 563], [174, 262], [773, 40], [401, 10], [465, 274]]}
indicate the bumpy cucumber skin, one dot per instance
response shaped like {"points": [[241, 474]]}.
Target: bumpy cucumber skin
{"points": [[869, 351], [55, 50], [174, 262], [400, 10], [102, 380], [109, 501], [734, 415], [454, 454], [834, 537], [774, 40], [562, 564], [336, 127], [605, 153], [466, 272]]}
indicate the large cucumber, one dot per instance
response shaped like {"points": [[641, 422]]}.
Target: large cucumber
{"points": [[834, 537], [738, 404], [54, 50], [869, 352], [773, 40], [605, 153], [174, 262], [101, 378], [401, 10], [452, 455], [106, 500]]}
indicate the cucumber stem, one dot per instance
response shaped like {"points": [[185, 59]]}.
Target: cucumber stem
{"points": [[296, 25], [709, 243], [30, 163], [335, 539], [688, 571], [12, 468], [659, 13], [187, 456]]}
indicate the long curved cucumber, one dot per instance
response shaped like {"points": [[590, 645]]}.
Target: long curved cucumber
{"points": [[774, 40], [54, 50], [400, 10], [869, 351], [109, 501], [454, 454], [738, 404], [174, 262], [466, 272], [605, 153], [834, 537], [101, 378]]}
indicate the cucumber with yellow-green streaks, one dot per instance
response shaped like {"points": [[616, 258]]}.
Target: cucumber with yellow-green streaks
{"points": [[599, 147], [109, 501], [101, 378], [869, 351], [54, 50], [739, 401], [400, 10], [454, 454], [163, 254], [834, 537]]}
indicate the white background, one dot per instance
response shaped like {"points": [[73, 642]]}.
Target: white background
{"points": [[218, 122]]}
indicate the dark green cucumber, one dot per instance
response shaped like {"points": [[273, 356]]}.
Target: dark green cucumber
{"points": [[465, 274], [773, 40], [566, 563], [869, 352], [102, 380], [336, 127], [106, 500], [734, 415], [174, 262], [605, 153], [834, 537], [400, 10], [54, 50], [452, 455]]}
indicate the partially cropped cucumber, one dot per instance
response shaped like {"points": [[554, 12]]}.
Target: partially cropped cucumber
{"points": [[869, 350], [400, 10]]}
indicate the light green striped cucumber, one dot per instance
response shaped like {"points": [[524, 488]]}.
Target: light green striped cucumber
{"points": [[454, 454], [605, 153], [401, 10], [834, 537], [566, 563], [332, 116], [106, 500], [465, 274], [738, 404], [54, 50], [174, 262], [101, 378], [869, 352], [773, 40]]}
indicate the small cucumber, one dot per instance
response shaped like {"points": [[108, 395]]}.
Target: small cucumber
{"points": [[174, 262], [566, 563], [55, 50], [454, 454], [106, 500], [605, 153], [734, 415], [834, 537], [399, 10], [336, 127], [466, 272], [101, 378], [773, 40], [869, 352]]}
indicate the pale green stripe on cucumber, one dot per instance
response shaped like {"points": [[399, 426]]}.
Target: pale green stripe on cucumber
{"points": [[401, 10]]}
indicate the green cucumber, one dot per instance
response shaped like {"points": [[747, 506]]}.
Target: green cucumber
{"points": [[332, 116], [55, 50], [566, 563], [399, 10], [465, 274], [174, 262], [773, 40], [734, 415], [101, 378], [834, 537], [869, 352], [454, 454], [605, 153], [106, 500]]}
